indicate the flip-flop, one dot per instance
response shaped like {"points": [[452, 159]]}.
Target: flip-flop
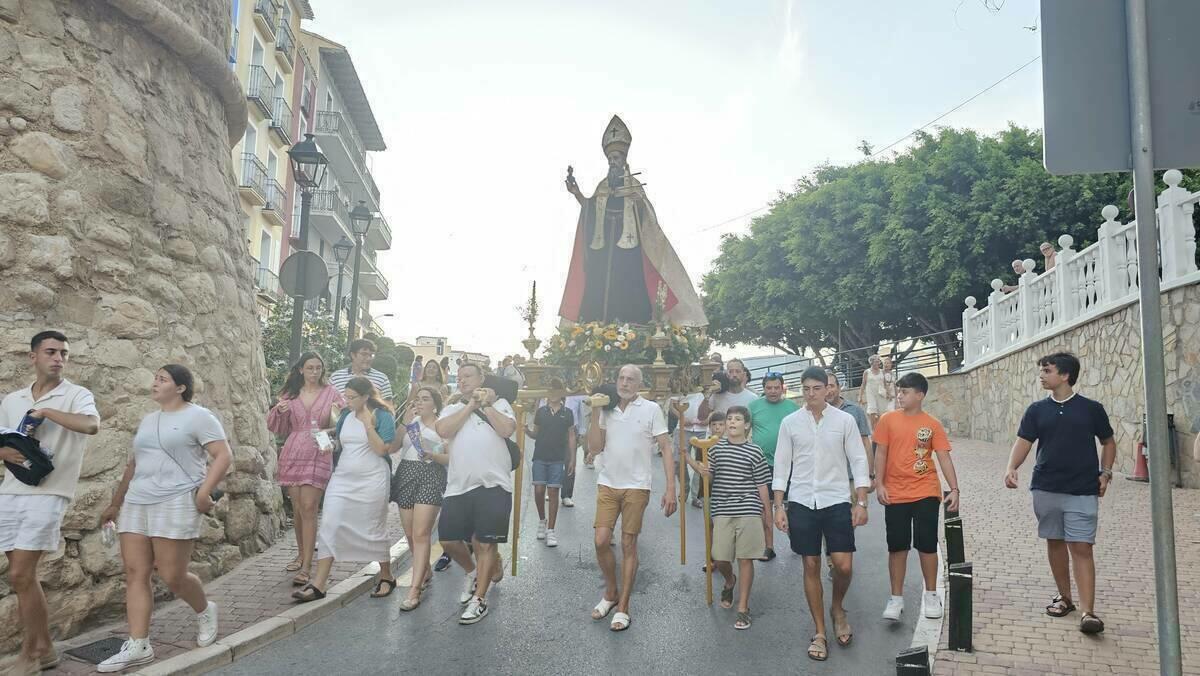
{"points": [[620, 622], [841, 627], [603, 608], [309, 593], [742, 621], [391, 583]]}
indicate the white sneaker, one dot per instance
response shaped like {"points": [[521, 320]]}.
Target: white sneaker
{"points": [[468, 590], [541, 534], [475, 611], [895, 608], [933, 605], [568, 502], [551, 538], [134, 652], [208, 625]]}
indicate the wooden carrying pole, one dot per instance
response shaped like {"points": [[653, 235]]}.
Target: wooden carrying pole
{"points": [[704, 445], [519, 410], [680, 407]]}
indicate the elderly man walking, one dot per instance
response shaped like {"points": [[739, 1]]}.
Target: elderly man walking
{"points": [[627, 435]]}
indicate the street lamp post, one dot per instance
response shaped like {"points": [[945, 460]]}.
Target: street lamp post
{"points": [[341, 253], [308, 168], [360, 223]]}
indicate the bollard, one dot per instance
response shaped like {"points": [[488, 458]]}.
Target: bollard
{"points": [[955, 550], [960, 607], [913, 662]]}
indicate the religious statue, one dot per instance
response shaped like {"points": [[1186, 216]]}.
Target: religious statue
{"points": [[621, 256]]}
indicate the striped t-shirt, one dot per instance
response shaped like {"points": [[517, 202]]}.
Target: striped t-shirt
{"points": [[737, 472], [341, 377]]}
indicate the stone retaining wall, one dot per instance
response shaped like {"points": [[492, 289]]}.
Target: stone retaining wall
{"points": [[121, 227]]}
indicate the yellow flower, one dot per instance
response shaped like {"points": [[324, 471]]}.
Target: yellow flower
{"points": [[576, 331], [623, 345], [597, 331], [611, 334], [599, 344]]}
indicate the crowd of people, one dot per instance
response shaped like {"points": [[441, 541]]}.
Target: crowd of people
{"points": [[447, 460]]}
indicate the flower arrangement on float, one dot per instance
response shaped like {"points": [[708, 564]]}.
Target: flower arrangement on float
{"points": [[614, 344]]}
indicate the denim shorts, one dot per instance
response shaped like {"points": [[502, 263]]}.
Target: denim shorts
{"points": [[548, 473]]}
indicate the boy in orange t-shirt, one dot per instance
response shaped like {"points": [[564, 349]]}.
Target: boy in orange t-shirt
{"points": [[908, 486]]}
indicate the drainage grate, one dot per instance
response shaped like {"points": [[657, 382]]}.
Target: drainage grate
{"points": [[97, 651]]}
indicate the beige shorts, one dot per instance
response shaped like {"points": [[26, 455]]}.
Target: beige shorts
{"points": [[738, 537], [627, 503]]}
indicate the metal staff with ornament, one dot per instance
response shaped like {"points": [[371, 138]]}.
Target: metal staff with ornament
{"points": [[519, 410], [704, 445]]}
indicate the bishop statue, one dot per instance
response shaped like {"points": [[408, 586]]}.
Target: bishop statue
{"points": [[621, 257]]}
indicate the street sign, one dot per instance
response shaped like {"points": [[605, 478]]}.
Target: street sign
{"points": [[1085, 85], [304, 275]]}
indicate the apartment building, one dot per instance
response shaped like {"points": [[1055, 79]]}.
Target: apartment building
{"points": [[346, 131]]}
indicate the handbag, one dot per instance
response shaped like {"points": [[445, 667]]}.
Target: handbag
{"points": [[37, 464], [514, 451]]}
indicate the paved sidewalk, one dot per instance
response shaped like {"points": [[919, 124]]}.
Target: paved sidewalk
{"points": [[257, 589], [1012, 633]]}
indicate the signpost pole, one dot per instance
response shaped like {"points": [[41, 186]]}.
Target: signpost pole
{"points": [[297, 342], [1165, 581]]}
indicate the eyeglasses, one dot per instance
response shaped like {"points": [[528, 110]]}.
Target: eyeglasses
{"points": [[774, 374]]}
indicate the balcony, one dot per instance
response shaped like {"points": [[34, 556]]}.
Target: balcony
{"points": [[267, 283], [274, 207], [329, 216], [281, 120], [267, 18], [285, 47], [379, 237], [260, 91], [373, 284], [347, 158], [252, 183]]}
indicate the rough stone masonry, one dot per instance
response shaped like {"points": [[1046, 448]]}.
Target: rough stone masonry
{"points": [[121, 227]]}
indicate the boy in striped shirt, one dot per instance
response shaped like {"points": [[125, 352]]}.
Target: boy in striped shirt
{"points": [[740, 477]]}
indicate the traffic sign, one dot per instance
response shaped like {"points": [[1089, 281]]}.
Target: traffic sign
{"points": [[304, 275]]}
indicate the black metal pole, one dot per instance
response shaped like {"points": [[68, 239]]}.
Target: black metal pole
{"points": [[353, 318], [298, 304], [959, 620], [337, 302], [913, 662]]}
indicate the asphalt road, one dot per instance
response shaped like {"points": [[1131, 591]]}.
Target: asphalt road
{"points": [[539, 623]]}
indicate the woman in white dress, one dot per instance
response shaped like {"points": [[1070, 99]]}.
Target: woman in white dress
{"points": [[889, 383], [419, 484], [872, 392], [354, 519]]}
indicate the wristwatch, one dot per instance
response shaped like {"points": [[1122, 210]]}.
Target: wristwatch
{"points": [[861, 504], [1106, 472]]}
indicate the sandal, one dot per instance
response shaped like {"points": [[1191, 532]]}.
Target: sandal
{"points": [[743, 620], [727, 596], [390, 582], [1090, 624], [818, 650], [293, 566], [309, 593], [620, 622], [603, 608], [410, 604], [428, 581], [301, 579], [841, 628], [1059, 607]]}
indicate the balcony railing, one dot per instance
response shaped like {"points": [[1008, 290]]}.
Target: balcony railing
{"points": [[265, 16], [253, 177], [267, 282], [332, 122], [285, 44], [260, 90], [273, 206], [281, 120], [330, 200]]}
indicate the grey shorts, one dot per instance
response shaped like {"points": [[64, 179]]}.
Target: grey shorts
{"points": [[1066, 517]]}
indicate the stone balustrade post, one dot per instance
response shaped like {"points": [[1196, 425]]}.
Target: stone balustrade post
{"points": [[1064, 290], [1025, 304], [969, 351], [1176, 234], [1107, 279], [997, 330]]}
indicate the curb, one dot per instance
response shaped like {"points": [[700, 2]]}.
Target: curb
{"points": [[927, 632], [265, 632]]}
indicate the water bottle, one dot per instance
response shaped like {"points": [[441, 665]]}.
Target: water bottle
{"points": [[108, 534]]}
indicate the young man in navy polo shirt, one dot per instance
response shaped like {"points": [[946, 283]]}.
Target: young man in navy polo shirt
{"points": [[1068, 481]]}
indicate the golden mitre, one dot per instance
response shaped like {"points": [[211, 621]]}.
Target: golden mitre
{"points": [[616, 135]]}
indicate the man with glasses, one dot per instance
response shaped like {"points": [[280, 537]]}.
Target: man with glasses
{"points": [[362, 355], [768, 413]]}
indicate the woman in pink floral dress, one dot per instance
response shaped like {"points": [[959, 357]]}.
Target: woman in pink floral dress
{"points": [[306, 405]]}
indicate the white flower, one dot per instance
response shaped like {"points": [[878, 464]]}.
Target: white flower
{"points": [[608, 348]]}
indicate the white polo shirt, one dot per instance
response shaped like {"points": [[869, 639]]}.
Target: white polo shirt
{"points": [[68, 446], [816, 455], [629, 443], [478, 455]]}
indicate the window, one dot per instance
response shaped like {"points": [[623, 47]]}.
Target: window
{"points": [[264, 250], [272, 166], [250, 142], [256, 53]]}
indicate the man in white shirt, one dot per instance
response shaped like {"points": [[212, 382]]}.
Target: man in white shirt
{"points": [[814, 448], [627, 435], [479, 485], [62, 415]]}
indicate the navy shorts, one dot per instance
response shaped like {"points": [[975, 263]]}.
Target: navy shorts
{"points": [[807, 526], [912, 525], [548, 473], [480, 512]]}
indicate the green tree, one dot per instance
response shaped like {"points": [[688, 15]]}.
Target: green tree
{"points": [[886, 250], [320, 336]]}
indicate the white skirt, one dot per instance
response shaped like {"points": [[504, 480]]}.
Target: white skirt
{"points": [[354, 517], [31, 522], [174, 519]]}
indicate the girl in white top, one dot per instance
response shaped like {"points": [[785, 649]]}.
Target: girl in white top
{"points": [[419, 484], [872, 391], [166, 487]]}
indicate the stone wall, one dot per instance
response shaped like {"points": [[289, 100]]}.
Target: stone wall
{"points": [[986, 402], [121, 227]]}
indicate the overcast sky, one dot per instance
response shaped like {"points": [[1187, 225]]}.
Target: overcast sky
{"points": [[483, 105]]}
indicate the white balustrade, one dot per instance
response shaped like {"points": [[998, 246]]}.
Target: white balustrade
{"points": [[1083, 284]]}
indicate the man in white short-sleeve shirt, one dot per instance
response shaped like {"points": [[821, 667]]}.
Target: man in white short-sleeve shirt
{"points": [[31, 516], [628, 436], [478, 485]]}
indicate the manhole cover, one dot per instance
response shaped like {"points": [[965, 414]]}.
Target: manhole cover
{"points": [[97, 651]]}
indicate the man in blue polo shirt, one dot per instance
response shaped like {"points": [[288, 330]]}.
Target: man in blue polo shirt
{"points": [[1068, 481]]}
